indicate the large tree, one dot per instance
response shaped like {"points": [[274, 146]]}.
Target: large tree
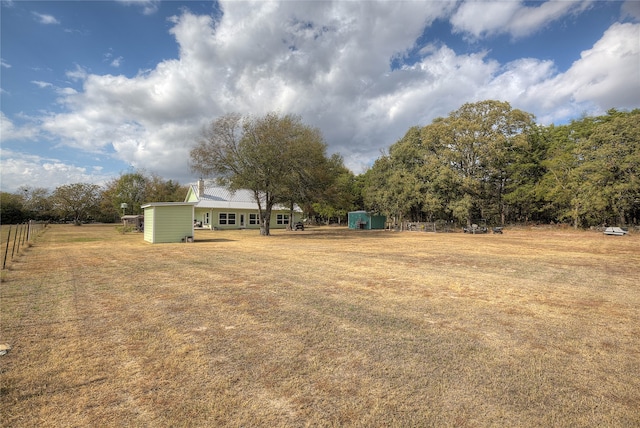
{"points": [[459, 166], [276, 157], [340, 193], [135, 189], [612, 162], [37, 202], [591, 173], [79, 200], [12, 208], [480, 138]]}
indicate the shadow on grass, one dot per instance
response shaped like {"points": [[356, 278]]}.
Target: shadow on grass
{"points": [[200, 240], [337, 234]]}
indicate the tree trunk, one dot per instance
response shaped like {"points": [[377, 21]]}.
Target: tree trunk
{"points": [[266, 222], [291, 213]]}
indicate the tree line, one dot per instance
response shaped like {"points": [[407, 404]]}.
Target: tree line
{"points": [[485, 160], [489, 161], [82, 202]]}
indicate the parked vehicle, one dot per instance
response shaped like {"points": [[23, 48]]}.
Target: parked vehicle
{"points": [[615, 231], [476, 228]]}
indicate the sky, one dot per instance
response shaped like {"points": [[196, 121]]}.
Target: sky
{"points": [[90, 90]]}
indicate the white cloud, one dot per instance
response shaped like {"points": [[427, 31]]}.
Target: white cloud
{"points": [[4, 64], [149, 7], [481, 19], [45, 19], [114, 62], [150, 120], [66, 91], [41, 84], [605, 76], [329, 63], [19, 169], [117, 62], [79, 73], [11, 132]]}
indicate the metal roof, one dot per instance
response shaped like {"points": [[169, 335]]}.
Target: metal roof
{"points": [[220, 197]]}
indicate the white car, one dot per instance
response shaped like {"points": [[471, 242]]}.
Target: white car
{"points": [[617, 231]]}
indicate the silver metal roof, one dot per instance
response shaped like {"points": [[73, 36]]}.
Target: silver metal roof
{"points": [[220, 197]]}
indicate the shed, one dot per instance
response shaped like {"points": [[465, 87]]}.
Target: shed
{"points": [[366, 220], [168, 222], [135, 221]]}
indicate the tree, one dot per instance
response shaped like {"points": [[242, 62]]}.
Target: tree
{"points": [[523, 196], [340, 194], [131, 189], [272, 156], [459, 166], [37, 202], [313, 173], [395, 186], [11, 208], [590, 170], [159, 190], [621, 161], [78, 200], [134, 189], [491, 161], [479, 139], [608, 181]]}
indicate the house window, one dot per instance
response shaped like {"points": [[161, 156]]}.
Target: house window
{"points": [[282, 219], [227, 219], [206, 218], [254, 219]]}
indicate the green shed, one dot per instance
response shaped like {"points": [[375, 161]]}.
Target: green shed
{"points": [[168, 222], [366, 220]]}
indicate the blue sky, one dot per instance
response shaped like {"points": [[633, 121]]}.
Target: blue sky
{"points": [[92, 89]]}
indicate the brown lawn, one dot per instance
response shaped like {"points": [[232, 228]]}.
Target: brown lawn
{"points": [[326, 327]]}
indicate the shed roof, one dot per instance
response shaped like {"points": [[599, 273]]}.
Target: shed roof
{"points": [[166, 204]]}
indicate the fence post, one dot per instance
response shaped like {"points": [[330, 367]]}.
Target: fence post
{"points": [[19, 236], [4, 263], [15, 238]]}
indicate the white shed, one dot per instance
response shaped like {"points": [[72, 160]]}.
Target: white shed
{"points": [[168, 222]]}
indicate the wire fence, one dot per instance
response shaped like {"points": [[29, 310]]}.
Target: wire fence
{"points": [[14, 238], [428, 226]]}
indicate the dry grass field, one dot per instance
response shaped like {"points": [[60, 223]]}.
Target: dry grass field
{"points": [[326, 327]]}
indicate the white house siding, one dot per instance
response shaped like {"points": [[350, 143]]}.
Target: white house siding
{"points": [[148, 221], [214, 200], [191, 197], [214, 218]]}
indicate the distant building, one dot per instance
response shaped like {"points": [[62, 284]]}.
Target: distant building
{"points": [[135, 221], [366, 220]]}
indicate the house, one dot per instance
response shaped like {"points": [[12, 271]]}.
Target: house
{"points": [[168, 222], [365, 220], [218, 208]]}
